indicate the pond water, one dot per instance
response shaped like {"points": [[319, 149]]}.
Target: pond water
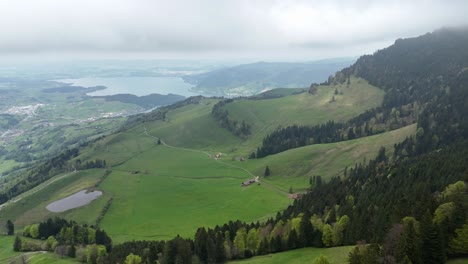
{"points": [[73, 201], [138, 86]]}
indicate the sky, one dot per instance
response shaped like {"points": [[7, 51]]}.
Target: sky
{"points": [[265, 30]]}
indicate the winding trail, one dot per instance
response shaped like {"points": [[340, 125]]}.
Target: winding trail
{"points": [[24, 255], [269, 185]]}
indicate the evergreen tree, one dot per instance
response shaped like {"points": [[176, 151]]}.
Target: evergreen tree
{"points": [[264, 247], [306, 230], [17, 244], [432, 246], [293, 240], [220, 252], [200, 244], [413, 246], [267, 172], [10, 228]]}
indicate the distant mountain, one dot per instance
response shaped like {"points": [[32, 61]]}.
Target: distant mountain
{"points": [[250, 79]]}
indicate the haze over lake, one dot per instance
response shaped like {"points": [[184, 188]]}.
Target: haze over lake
{"points": [[139, 86]]}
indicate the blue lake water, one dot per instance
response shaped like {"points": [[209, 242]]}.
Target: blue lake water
{"points": [[139, 86]]}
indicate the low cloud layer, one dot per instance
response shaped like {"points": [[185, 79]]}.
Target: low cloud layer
{"points": [[225, 28]]}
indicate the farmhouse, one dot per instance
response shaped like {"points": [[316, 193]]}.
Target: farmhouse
{"points": [[295, 196], [247, 183]]}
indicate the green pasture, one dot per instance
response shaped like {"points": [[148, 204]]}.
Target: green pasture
{"points": [[176, 191], [305, 109], [335, 255], [6, 248], [294, 167]]}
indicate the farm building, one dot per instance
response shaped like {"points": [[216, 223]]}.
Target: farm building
{"points": [[247, 183]]}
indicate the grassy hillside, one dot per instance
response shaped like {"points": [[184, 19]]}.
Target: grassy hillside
{"points": [[293, 168], [50, 258], [264, 116], [336, 255], [174, 183], [31, 207], [6, 248]]}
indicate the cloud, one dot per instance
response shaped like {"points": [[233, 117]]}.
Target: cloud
{"points": [[222, 27]]}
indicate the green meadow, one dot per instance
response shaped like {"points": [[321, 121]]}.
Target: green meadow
{"points": [[173, 184], [50, 258], [335, 255], [305, 109], [294, 167], [6, 248]]}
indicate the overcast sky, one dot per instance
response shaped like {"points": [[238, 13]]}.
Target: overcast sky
{"points": [[269, 30]]}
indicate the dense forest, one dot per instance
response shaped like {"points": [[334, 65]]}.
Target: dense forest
{"points": [[241, 129], [418, 74]]}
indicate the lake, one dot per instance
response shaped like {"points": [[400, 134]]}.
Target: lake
{"points": [[139, 86], [73, 201]]}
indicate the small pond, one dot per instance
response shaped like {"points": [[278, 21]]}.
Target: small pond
{"points": [[78, 199]]}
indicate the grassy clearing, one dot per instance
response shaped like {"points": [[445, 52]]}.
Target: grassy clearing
{"points": [[155, 204], [293, 168], [46, 258], [6, 165], [305, 109], [336, 255], [193, 127], [6, 248], [118, 148]]}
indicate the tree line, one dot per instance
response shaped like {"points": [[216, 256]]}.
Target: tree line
{"points": [[241, 129], [66, 238]]}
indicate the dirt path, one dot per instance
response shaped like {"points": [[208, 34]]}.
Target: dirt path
{"points": [[35, 190], [271, 186], [24, 255], [174, 147]]}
